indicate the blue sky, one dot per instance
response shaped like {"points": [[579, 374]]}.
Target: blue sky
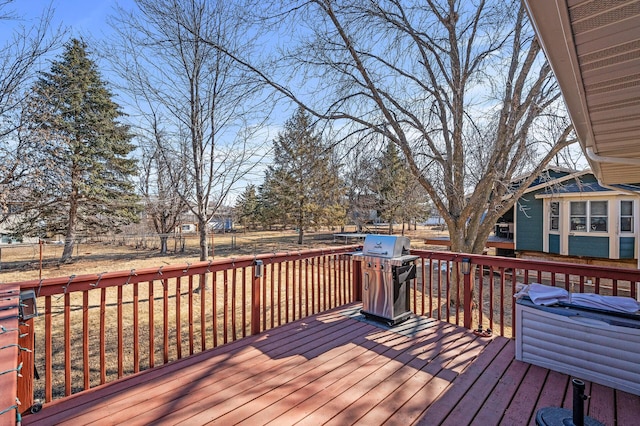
{"points": [[81, 17]]}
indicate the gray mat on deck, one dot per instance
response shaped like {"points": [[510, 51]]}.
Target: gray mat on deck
{"points": [[409, 328]]}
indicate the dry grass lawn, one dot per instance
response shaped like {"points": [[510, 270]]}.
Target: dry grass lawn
{"points": [[21, 262]]}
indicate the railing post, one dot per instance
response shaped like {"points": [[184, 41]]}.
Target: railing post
{"points": [[255, 297], [467, 293], [26, 358], [357, 281]]}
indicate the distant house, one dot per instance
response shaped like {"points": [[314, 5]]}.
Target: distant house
{"points": [[186, 228], [571, 214], [565, 213]]}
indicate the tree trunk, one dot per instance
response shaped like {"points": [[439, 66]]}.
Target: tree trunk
{"points": [[163, 244], [202, 231], [70, 236], [67, 252]]}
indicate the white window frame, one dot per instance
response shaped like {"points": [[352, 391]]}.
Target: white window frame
{"points": [[631, 216], [588, 216], [557, 216], [592, 227]]}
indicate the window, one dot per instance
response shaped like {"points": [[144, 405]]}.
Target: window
{"points": [[626, 216], [554, 216], [578, 215], [598, 216], [595, 219]]}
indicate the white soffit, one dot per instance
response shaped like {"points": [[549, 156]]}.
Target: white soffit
{"points": [[594, 49]]}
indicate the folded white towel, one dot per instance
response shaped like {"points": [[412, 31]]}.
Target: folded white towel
{"points": [[608, 303], [547, 295], [541, 294]]}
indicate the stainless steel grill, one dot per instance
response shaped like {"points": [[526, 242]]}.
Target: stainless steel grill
{"points": [[387, 267]]}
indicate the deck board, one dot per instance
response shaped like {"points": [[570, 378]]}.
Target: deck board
{"points": [[473, 399], [340, 368]]}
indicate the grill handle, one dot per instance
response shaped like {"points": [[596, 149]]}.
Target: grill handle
{"points": [[405, 273]]}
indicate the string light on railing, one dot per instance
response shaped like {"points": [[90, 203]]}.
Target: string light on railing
{"points": [[94, 285], [184, 271], [131, 274], [15, 345], [4, 329], [13, 407], [160, 270], [64, 287], [11, 370]]}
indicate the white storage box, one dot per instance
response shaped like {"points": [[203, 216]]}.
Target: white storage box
{"points": [[602, 347]]}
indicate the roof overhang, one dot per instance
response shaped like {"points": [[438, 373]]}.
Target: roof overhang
{"points": [[593, 47]]}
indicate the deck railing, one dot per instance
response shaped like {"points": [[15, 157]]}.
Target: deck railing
{"points": [[492, 282], [95, 328]]}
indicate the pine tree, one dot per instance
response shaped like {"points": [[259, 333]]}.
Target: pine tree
{"points": [[391, 185], [247, 207], [84, 154], [303, 182]]}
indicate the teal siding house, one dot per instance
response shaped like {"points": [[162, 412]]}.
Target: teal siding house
{"points": [[571, 214]]}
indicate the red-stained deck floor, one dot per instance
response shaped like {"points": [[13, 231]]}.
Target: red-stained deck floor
{"points": [[337, 368]]}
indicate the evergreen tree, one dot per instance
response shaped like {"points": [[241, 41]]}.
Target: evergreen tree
{"points": [[83, 153], [393, 186], [268, 206], [303, 182], [247, 207]]}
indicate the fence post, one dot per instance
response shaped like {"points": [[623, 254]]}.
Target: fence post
{"points": [[255, 297]]}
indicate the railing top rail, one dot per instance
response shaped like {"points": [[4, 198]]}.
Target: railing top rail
{"points": [[60, 285], [532, 264]]}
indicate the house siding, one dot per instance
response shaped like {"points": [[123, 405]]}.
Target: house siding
{"points": [[554, 243], [627, 247], [529, 220], [588, 246]]}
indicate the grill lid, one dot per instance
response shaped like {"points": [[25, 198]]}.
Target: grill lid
{"points": [[385, 246]]}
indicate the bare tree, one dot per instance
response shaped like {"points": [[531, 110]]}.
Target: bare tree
{"points": [[460, 87], [199, 95], [162, 203], [19, 60]]}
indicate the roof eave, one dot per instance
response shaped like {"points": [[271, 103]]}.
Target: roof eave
{"points": [[550, 19]]}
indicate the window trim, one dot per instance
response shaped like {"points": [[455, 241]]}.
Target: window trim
{"points": [[571, 216], [592, 216], [557, 216], [588, 217], [632, 216]]}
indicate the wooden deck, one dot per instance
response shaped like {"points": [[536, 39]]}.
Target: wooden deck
{"points": [[339, 368]]}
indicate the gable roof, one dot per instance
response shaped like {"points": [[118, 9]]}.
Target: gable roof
{"points": [[580, 183]]}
